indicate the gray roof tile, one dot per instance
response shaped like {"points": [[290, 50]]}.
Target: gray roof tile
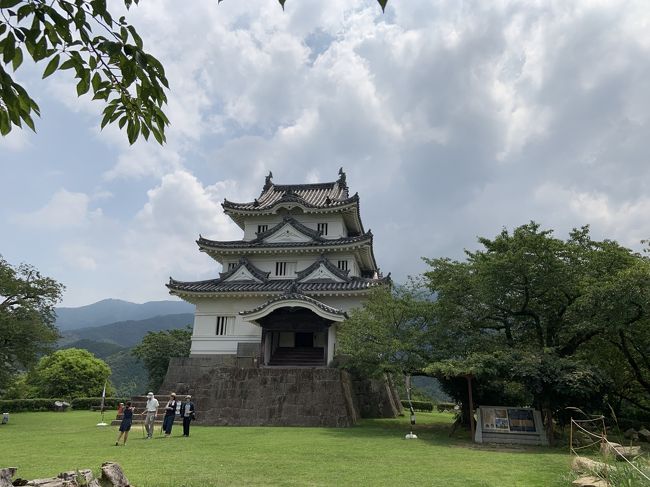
{"points": [[319, 195], [273, 286]]}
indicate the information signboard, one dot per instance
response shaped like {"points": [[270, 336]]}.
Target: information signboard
{"points": [[509, 425]]}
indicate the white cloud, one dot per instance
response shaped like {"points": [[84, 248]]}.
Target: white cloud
{"points": [[143, 160], [451, 119], [64, 210], [16, 140], [79, 256], [626, 218], [181, 204], [160, 239]]}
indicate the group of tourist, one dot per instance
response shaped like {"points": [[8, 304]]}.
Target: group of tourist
{"points": [[185, 408]]}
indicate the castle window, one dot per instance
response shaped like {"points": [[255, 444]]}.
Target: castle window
{"points": [[343, 265], [322, 228], [285, 269], [262, 228], [281, 268], [222, 325], [232, 265]]}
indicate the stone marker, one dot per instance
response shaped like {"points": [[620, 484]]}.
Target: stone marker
{"points": [[590, 482], [587, 465], [6, 474], [620, 451], [112, 476]]}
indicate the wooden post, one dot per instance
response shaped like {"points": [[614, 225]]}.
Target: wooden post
{"points": [[471, 404]]}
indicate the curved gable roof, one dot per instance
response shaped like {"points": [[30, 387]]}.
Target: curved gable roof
{"points": [[244, 263], [322, 261], [318, 195], [294, 299]]}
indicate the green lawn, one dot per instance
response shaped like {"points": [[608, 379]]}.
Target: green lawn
{"points": [[373, 453]]}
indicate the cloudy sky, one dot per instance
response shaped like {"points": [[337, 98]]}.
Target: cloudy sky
{"points": [[452, 120]]}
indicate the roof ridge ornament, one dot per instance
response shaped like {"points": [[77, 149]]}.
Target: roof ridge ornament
{"points": [[267, 182], [342, 178]]}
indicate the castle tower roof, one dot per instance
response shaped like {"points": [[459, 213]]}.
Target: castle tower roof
{"points": [[310, 198]]}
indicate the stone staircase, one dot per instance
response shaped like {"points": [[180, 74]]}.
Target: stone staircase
{"points": [[298, 357]]}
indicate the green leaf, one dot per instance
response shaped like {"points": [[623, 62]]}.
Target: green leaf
{"points": [[5, 125], [160, 137], [82, 87], [40, 49], [28, 120], [96, 81], [383, 4], [67, 64], [282, 3], [9, 48], [18, 59], [9, 3], [132, 132], [136, 38], [51, 66]]}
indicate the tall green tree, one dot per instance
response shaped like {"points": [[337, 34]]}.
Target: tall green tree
{"points": [[620, 306], [523, 308], [27, 329], [390, 334], [535, 319], [157, 348], [70, 373]]}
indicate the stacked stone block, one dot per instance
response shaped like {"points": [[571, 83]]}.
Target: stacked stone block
{"points": [[277, 396]]}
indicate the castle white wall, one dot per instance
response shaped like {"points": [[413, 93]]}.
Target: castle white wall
{"points": [[302, 261], [204, 335], [205, 340]]}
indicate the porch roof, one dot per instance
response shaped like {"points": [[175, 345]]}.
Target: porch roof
{"points": [[294, 299]]}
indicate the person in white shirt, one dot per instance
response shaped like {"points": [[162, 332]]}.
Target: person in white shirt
{"points": [[151, 409]]}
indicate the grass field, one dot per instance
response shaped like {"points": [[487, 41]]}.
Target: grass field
{"points": [[373, 453]]}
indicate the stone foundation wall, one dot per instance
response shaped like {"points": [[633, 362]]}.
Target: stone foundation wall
{"points": [[226, 395], [376, 398]]}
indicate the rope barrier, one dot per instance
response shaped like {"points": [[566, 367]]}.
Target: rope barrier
{"points": [[601, 439]]}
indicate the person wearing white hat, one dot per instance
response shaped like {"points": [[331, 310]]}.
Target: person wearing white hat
{"points": [[151, 409]]}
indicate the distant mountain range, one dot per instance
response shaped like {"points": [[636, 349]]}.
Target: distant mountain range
{"points": [[113, 310], [110, 328], [125, 333]]}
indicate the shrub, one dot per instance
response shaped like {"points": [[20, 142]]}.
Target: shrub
{"points": [[446, 407], [81, 403], [419, 405], [47, 404], [20, 405]]}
